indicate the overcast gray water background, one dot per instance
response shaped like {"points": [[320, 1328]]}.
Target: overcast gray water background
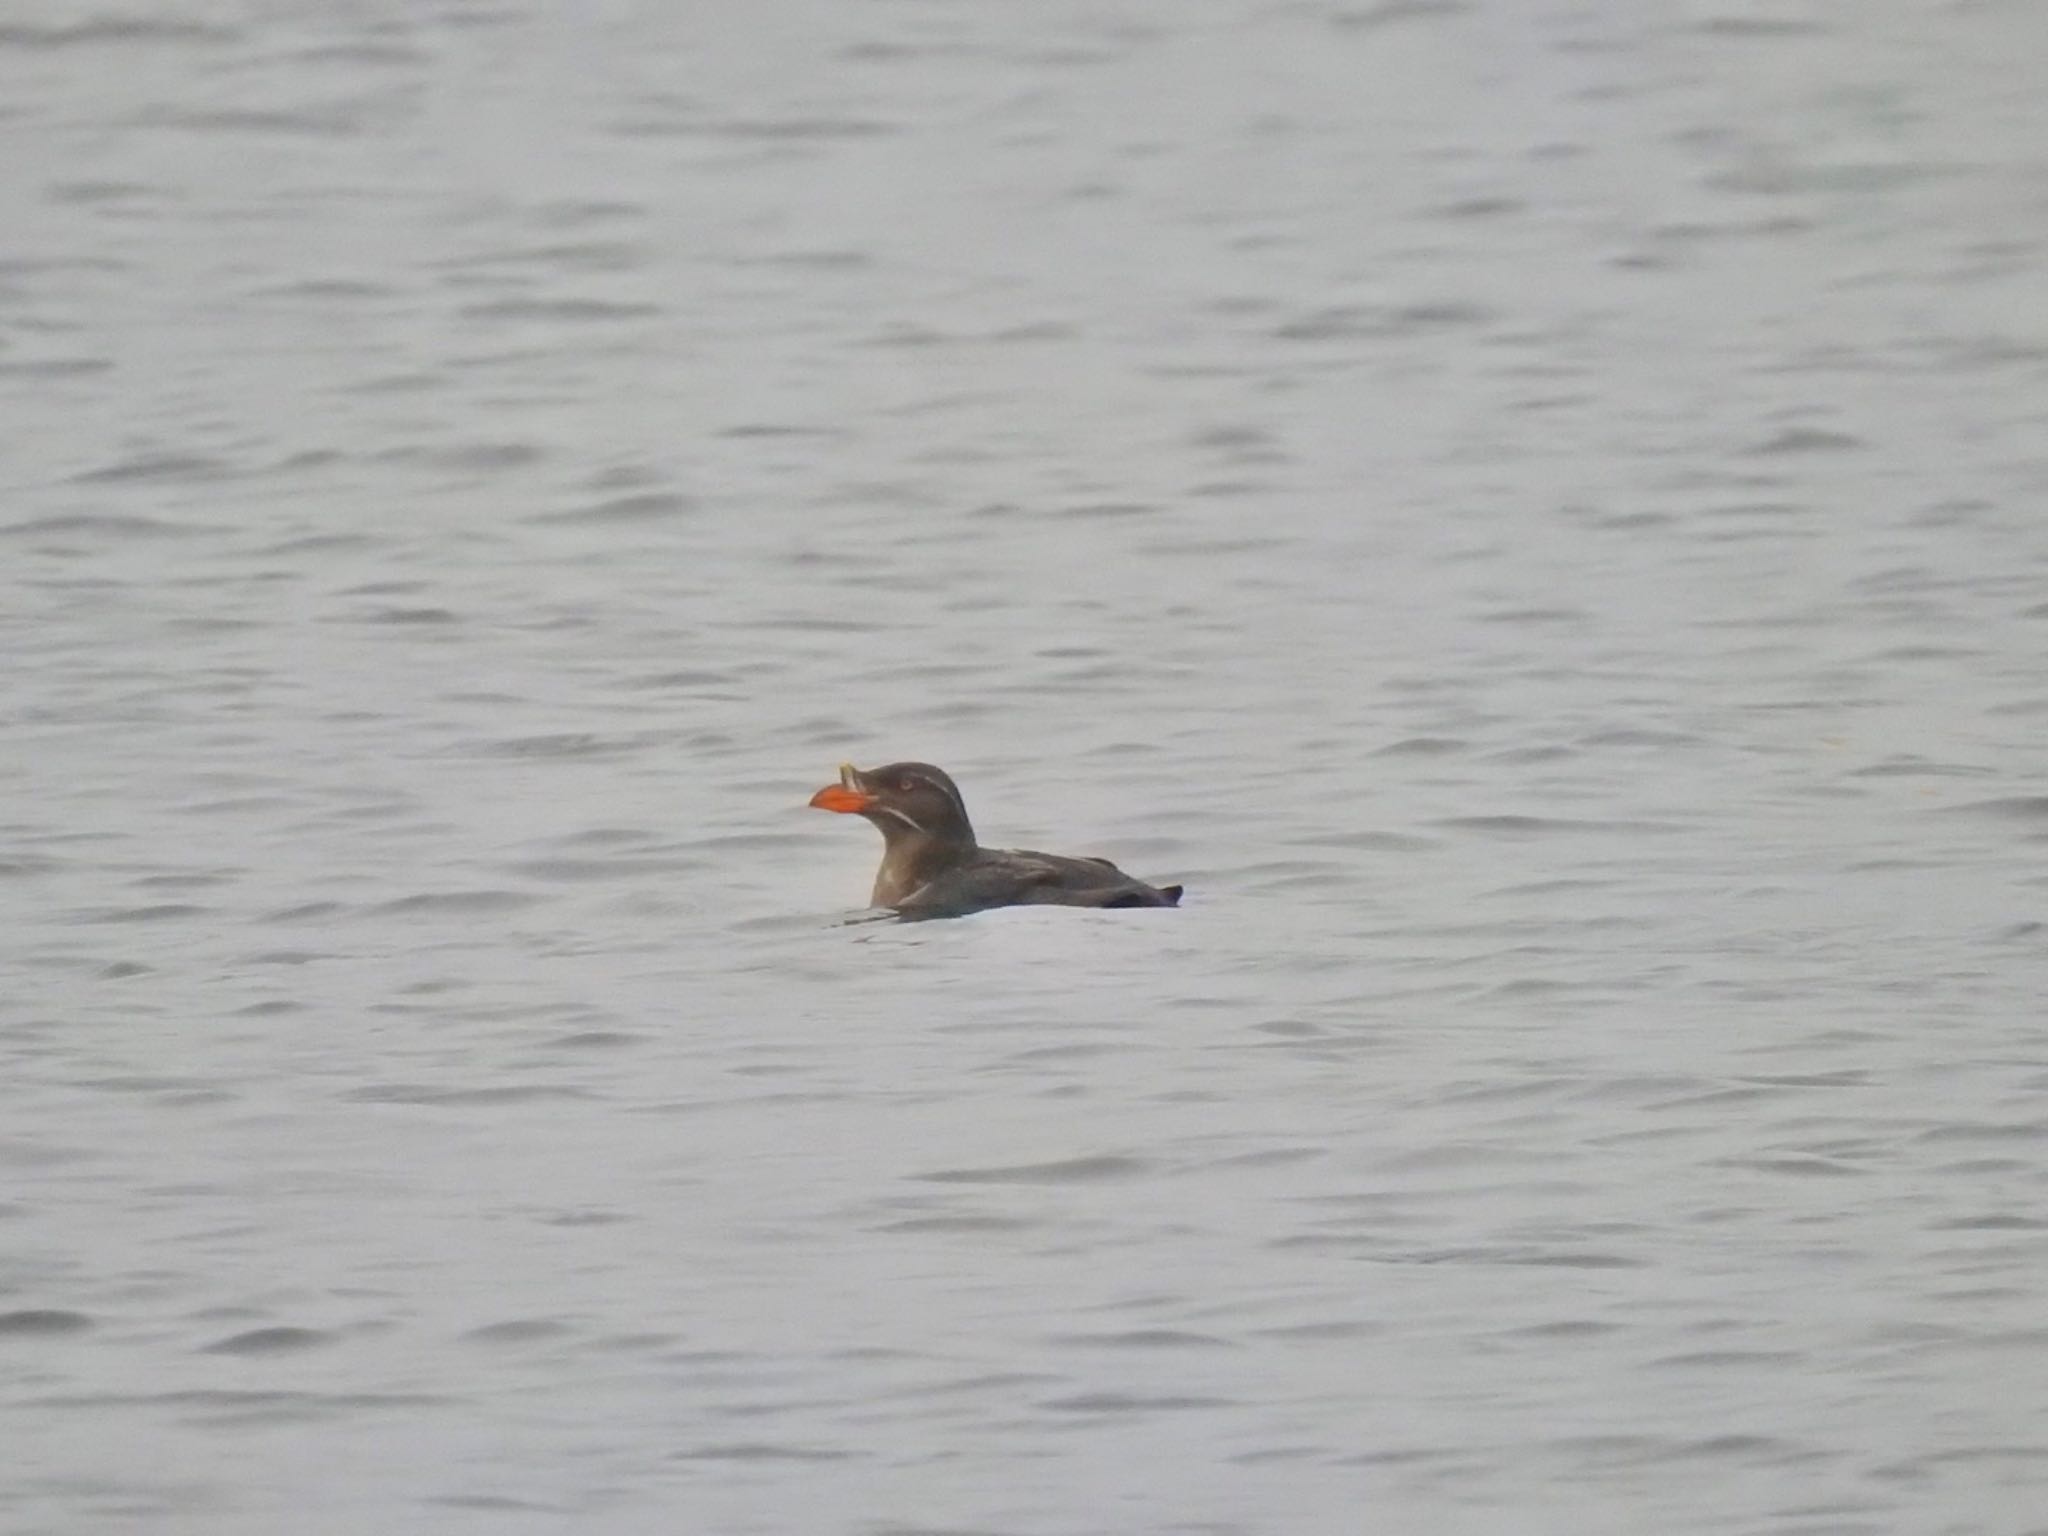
{"points": [[1533, 511]]}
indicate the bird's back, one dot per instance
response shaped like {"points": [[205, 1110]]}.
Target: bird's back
{"points": [[1010, 877]]}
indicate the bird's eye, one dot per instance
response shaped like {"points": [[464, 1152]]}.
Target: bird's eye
{"points": [[905, 786]]}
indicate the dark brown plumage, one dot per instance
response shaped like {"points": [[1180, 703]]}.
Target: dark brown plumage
{"points": [[933, 867]]}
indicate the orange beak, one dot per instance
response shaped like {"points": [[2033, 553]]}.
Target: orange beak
{"points": [[837, 797], [846, 795]]}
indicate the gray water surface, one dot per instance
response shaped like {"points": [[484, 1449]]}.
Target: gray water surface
{"points": [[1533, 512]]}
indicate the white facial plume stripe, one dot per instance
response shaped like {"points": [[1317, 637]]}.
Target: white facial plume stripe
{"points": [[890, 810]]}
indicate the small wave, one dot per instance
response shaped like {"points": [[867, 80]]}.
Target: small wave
{"points": [[454, 903], [1130, 1402], [2008, 808], [95, 524], [961, 1223], [1148, 1338], [1073, 1170], [758, 1450], [521, 1330], [415, 1093], [113, 29], [42, 1323], [643, 507], [166, 911], [575, 310], [152, 467], [1422, 746], [269, 1341], [1805, 440]]}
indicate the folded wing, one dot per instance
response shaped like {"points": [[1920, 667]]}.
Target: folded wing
{"points": [[1019, 877]]}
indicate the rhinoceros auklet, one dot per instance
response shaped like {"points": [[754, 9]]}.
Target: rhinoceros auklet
{"points": [[932, 866]]}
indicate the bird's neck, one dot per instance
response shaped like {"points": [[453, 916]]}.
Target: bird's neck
{"points": [[911, 859]]}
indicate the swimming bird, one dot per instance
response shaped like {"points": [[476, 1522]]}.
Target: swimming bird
{"points": [[933, 867]]}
